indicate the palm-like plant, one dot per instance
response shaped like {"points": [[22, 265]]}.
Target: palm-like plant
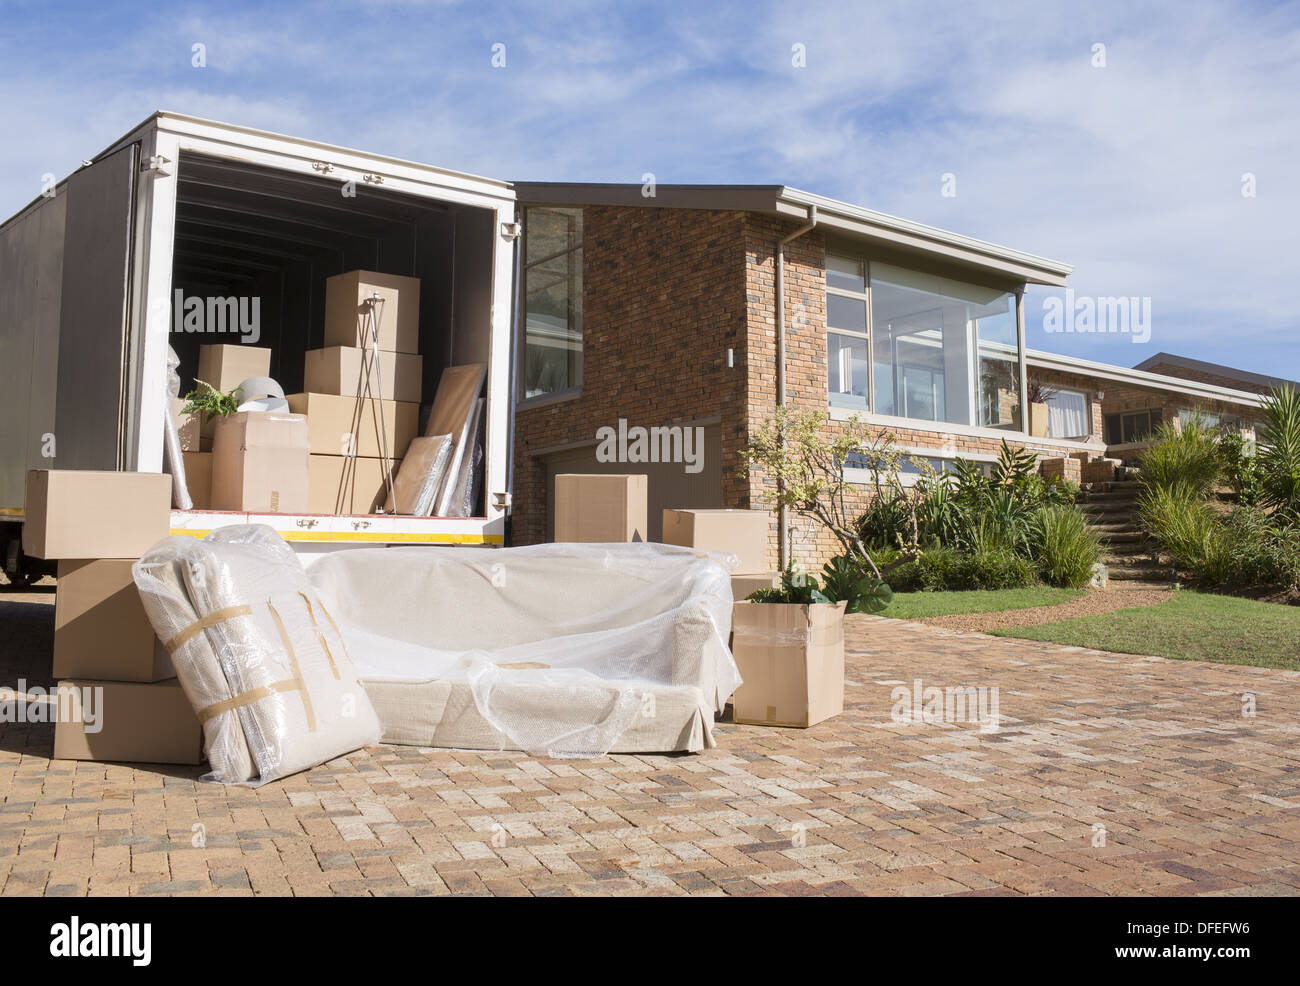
{"points": [[1279, 453]]}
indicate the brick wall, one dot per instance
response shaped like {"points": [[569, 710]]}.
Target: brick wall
{"points": [[663, 300], [666, 293], [1119, 399]]}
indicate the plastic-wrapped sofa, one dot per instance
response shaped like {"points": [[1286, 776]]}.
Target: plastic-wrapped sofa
{"points": [[556, 649]]}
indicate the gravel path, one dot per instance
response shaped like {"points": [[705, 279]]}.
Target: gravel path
{"points": [[1091, 602]]}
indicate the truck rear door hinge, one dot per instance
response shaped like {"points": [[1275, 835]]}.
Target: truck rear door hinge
{"points": [[156, 165]]}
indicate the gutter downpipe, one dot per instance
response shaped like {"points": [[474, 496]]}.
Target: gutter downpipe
{"points": [[783, 518]]}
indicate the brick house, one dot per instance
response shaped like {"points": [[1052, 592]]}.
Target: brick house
{"points": [[662, 312]]}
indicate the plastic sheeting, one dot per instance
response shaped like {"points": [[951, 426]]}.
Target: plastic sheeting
{"points": [[181, 498], [258, 655], [564, 647]]}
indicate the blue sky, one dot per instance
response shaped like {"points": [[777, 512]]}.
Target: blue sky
{"points": [[1131, 171]]}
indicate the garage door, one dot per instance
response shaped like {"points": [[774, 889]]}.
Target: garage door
{"points": [[669, 484]]}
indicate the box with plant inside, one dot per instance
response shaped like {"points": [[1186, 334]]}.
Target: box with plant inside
{"points": [[204, 406], [789, 645]]}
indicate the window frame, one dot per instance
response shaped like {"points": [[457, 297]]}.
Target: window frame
{"points": [[865, 264], [521, 334]]}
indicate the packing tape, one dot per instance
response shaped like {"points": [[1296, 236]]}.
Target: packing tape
{"points": [[198, 626], [320, 636], [297, 670], [247, 698], [788, 637]]}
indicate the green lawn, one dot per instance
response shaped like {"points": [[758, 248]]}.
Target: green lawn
{"points": [[916, 605], [1193, 626]]}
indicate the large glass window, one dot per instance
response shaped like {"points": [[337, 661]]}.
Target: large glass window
{"points": [[552, 350], [934, 349]]}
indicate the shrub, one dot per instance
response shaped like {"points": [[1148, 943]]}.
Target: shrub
{"points": [[1240, 465], [1065, 546], [1184, 460], [993, 570], [1279, 453]]}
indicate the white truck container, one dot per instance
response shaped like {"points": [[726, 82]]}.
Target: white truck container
{"points": [[89, 271]]}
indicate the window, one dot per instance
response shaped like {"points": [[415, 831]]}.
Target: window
{"points": [[1067, 414], [1210, 419], [910, 464], [1131, 426], [846, 332], [552, 349], [919, 346]]}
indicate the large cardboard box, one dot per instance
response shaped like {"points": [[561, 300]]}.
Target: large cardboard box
{"points": [[335, 428], [338, 484], [791, 658], [78, 513], [198, 478], [742, 583], [126, 721], [337, 370], [347, 321], [742, 533], [598, 508], [195, 433], [259, 463], [226, 367], [100, 627]]}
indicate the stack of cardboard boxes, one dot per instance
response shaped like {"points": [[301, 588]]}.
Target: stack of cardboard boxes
{"points": [[118, 697], [225, 368], [345, 407]]}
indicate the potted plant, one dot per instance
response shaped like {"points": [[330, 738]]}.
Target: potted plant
{"points": [[788, 642], [210, 405], [1038, 397]]}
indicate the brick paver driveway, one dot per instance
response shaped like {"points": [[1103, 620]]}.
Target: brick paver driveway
{"points": [[1108, 775]]}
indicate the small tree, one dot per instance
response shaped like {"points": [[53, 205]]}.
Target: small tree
{"points": [[795, 449]]}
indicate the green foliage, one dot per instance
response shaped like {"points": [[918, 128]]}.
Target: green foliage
{"points": [[1279, 454], [212, 402], [1066, 547], [805, 456], [942, 568], [844, 580], [971, 521], [1240, 466], [795, 587], [994, 569], [1247, 545], [1182, 459]]}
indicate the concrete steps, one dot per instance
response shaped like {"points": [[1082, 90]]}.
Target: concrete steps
{"points": [[1109, 509]]}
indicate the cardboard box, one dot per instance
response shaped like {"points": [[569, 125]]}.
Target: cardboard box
{"points": [[361, 481], [100, 627], [126, 721], [195, 433], [226, 367], [742, 533], [742, 584], [198, 478], [600, 509], [331, 420], [337, 370], [259, 463], [791, 657], [347, 321], [80, 513]]}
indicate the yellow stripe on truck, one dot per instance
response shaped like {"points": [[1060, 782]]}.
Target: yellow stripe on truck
{"points": [[372, 537]]}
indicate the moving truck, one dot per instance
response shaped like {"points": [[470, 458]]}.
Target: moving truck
{"points": [[90, 272]]}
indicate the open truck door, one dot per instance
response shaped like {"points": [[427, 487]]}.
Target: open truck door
{"points": [[91, 399]]}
